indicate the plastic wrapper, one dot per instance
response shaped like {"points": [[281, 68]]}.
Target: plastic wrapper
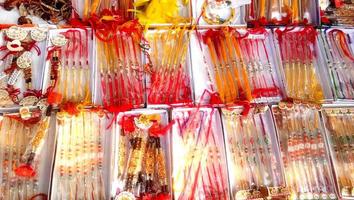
{"points": [[169, 73], [304, 151], [253, 154], [78, 171], [304, 70], [339, 120], [26, 156], [198, 155], [141, 149], [69, 67], [21, 70], [237, 65], [337, 48], [282, 12]]}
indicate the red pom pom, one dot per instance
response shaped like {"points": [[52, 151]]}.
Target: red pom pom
{"points": [[55, 98], [128, 124], [163, 196], [215, 98], [25, 171], [71, 108]]}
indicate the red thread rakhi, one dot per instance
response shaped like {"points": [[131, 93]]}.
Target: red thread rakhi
{"points": [[243, 67], [141, 168], [18, 52], [199, 164], [262, 70], [298, 53], [303, 148], [74, 75], [169, 80], [120, 67], [339, 58]]}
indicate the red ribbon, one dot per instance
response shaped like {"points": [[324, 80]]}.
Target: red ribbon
{"points": [[157, 130]]}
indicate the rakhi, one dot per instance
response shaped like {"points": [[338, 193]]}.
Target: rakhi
{"points": [[224, 69], [339, 124], [261, 70], [299, 65], [341, 63], [197, 175], [143, 172], [74, 82], [304, 151], [18, 183], [78, 170], [53, 10], [19, 50], [121, 71], [169, 75]]}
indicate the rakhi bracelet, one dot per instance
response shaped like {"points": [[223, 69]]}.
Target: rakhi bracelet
{"points": [[197, 175], [300, 63], [261, 71], [338, 123], [168, 71], [342, 60], [143, 173], [52, 10], [79, 166], [299, 125], [13, 184], [21, 45], [121, 71]]}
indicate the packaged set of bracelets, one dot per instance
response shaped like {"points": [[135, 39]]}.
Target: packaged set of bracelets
{"points": [[339, 120], [253, 154], [141, 164], [198, 155]]}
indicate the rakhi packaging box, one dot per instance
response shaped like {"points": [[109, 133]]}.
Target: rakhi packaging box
{"points": [[304, 151], [199, 169], [253, 154], [26, 154], [141, 164], [338, 121], [169, 76]]}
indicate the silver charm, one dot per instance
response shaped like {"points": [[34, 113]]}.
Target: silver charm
{"points": [[28, 101], [39, 34], [59, 40], [42, 104], [14, 45], [24, 61], [16, 33], [14, 77]]}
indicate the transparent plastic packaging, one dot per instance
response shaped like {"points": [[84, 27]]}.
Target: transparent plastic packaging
{"points": [[282, 12], [253, 154], [304, 70], [141, 149], [69, 66], [236, 65], [338, 121], [169, 74], [26, 156], [338, 51], [80, 161], [304, 151], [198, 155]]}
